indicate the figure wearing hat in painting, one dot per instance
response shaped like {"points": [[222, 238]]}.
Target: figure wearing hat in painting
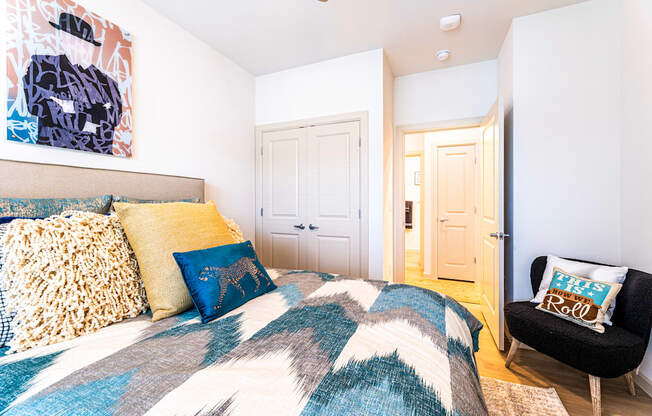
{"points": [[78, 106]]}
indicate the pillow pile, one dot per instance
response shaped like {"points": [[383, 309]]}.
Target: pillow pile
{"points": [[67, 276], [75, 272], [214, 269], [155, 231]]}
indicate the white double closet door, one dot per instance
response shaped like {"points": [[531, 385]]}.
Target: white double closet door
{"points": [[311, 198]]}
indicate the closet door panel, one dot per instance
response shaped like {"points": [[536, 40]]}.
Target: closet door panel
{"points": [[284, 207], [333, 197]]}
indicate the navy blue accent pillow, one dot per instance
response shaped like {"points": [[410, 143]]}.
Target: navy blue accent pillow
{"points": [[220, 279]]}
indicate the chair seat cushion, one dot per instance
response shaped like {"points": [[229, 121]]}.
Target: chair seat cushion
{"points": [[611, 354]]}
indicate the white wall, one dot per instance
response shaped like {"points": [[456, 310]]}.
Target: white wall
{"points": [[636, 159], [342, 85], [446, 94], [567, 129], [193, 116]]}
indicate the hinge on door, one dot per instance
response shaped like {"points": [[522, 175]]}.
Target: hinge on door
{"points": [[475, 210], [359, 214], [475, 260], [261, 150], [360, 141], [261, 212]]}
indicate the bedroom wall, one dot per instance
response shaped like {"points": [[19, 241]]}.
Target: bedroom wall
{"points": [[445, 94], [636, 197], [566, 136], [194, 112], [342, 85]]}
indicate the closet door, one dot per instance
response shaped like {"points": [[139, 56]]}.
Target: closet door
{"points": [[284, 230], [333, 198]]}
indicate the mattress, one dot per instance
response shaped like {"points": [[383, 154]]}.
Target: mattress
{"points": [[319, 344]]}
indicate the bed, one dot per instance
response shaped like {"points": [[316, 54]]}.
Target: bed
{"points": [[319, 344]]}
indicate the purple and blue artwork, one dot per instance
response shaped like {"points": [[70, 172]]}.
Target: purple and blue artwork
{"points": [[69, 78]]}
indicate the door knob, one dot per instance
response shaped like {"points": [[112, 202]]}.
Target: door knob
{"points": [[499, 235], [313, 227], [443, 219], [300, 226]]}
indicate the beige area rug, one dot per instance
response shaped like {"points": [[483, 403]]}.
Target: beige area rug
{"points": [[511, 399]]}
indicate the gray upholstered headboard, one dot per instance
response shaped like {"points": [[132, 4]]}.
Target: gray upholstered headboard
{"points": [[39, 180]]}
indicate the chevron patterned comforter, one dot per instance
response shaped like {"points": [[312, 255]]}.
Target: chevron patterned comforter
{"points": [[318, 345]]}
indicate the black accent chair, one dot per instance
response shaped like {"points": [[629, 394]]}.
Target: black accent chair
{"points": [[616, 352]]}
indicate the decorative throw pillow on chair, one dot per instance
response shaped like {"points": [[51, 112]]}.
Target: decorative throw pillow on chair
{"points": [[579, 300], [598, 272]]}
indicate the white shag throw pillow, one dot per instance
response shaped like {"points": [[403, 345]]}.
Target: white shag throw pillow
{"points": [[68, 275], [234, 230]]}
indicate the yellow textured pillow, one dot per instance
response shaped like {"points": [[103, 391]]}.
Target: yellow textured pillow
{"points": [[155, 231]]}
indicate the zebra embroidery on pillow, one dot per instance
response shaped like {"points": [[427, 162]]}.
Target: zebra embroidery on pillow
{"points": [[231, 275]]}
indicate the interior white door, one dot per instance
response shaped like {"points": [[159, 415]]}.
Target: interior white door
{"points": [[455, 212], [491, 222], [333, 198], [284, 202]]}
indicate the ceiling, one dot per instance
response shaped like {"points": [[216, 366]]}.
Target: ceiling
{"points": [[265, 36]]}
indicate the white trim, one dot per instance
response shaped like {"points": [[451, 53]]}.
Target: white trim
{"points": [[644, 383], [399, 181], [363, 118]]}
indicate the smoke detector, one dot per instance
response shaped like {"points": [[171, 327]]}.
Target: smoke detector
{"points": [[443, 54], [450, 22]]}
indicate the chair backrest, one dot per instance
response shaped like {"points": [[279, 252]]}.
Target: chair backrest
{"points": [[633, 303]]}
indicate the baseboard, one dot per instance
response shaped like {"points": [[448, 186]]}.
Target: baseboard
{"points": [[644, 383]]}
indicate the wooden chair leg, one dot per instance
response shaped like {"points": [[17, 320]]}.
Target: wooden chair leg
{"points": [[594, 382], [629, 380], [512, 351]]}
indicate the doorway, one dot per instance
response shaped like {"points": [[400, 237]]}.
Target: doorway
{"points": [[488, 211], [441, 193]]}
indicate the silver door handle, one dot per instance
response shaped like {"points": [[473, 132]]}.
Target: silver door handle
{"points": [[499, 235], [300, 226], [313, 227], [443, 219]]}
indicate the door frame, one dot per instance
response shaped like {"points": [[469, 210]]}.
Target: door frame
{"points": [[363, 118], [399, 181]]}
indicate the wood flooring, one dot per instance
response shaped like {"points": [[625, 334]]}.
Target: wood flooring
{"points": [[458, 290]]}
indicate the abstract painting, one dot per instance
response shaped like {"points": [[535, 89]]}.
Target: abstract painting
{"points": [[69, 78]]}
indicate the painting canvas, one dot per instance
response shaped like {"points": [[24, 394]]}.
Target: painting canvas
{"points": [[69, 78]]}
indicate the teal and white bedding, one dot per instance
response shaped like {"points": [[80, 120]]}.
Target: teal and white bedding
{"points": [[317, 345]]}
